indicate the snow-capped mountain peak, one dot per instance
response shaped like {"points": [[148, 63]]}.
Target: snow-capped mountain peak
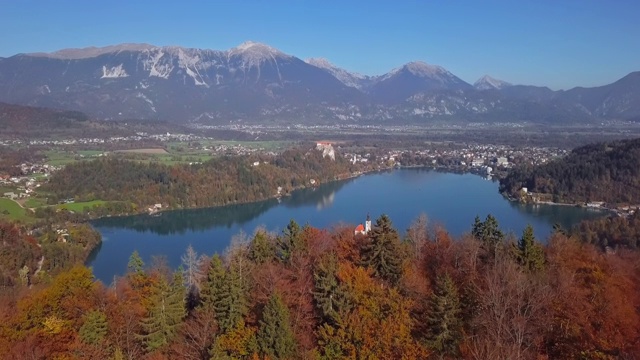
{"points": [[423, 69], [253, 54], [348, 78], [488, 83], [255, 49], [320, 62]]}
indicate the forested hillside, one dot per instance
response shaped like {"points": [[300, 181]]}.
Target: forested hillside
{"points": [[30, 258], [221, 181], [608, 172], [309, 293]]}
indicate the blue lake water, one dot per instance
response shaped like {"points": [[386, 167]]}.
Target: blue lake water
{"points": [[452, 200]]}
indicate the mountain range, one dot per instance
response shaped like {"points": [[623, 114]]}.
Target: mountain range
{"points": [[256, 83]]}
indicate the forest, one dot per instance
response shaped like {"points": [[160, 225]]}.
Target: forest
{"points": [[34, 256], [220, 181], [608, 172], [308, 293]]}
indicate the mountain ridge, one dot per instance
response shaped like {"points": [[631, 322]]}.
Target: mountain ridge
{"points": [[254, 82]]}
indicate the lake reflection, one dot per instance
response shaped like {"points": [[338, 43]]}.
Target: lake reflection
{"points": [[452, 200]]}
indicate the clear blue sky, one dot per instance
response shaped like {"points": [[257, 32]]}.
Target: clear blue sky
{"points": [[557, 43]]}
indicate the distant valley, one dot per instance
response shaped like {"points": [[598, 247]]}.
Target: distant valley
{"points": [[255, 83]]}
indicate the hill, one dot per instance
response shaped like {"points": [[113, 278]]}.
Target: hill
{"points": [[608, 172]]}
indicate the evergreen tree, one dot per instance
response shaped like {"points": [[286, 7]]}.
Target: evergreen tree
{"points": [[261, 250], [226, 293], [330, 298], [94, 328], [383, 251], [290, 241], [529, 253], [275, 336], [135, 265], [489, 233], [232, 303], [478, 228], [165, 314], [214, 283], [444, 321]]}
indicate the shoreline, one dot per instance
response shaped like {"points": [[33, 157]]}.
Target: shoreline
{"points": [[338, 178], [551, 203]]}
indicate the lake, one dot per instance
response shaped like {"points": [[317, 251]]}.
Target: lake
{"points": [[452, 200]]}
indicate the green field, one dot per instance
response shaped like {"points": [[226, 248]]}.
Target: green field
{"points": [[4, 189], [11, 210], [79, 206], [35, 202], [60, 157]]}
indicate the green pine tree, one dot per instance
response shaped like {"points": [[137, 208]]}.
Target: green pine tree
{"points": [[491, 234], [261, 250], [382, 252], [329, 296], [529, 253], [214, 283], [94, 328], [444, 321], [226, 293], [478, 228], [135, 265], [275, 336], [290, 241], [166, 313]]}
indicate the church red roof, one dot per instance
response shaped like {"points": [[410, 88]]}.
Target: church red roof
{"points": [[360, 228]]}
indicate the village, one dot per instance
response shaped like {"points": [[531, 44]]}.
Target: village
{"points": [[483, 159]]}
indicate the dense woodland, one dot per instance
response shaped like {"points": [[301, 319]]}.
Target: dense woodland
{"points": [[608, 172], [31, 257], [309, 293], [611, 232], [220, 181]]}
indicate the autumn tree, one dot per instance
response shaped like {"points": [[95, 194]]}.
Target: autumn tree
{"points": [[511, 314], [418, 235], [378, 326], [192, 265], [238, 342], [382, 253], [195, 336]]}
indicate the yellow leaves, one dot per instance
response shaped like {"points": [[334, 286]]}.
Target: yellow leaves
{"points": [[237, 342], [379, 326], [53, 325]]}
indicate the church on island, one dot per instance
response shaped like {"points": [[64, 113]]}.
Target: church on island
{"points": [[363, 230]]}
